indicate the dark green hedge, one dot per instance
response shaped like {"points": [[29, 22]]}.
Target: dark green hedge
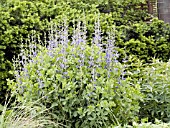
{"points": [[146, 41]]}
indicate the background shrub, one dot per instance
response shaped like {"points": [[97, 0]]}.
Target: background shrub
{"points": [[146, 41]]}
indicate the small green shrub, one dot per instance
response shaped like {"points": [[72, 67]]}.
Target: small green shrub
{"points": [[155, 85]]}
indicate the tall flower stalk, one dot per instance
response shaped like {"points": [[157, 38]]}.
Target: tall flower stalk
{"points": [[97, 41], [111, 52]]}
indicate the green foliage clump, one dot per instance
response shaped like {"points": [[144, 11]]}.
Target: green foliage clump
{"points": [[146, 41], [155, 85]]}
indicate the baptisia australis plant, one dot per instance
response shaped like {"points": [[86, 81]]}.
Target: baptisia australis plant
{"points": [[87, 81]]}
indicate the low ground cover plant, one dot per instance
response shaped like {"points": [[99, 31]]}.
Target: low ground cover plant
{"points": [[88, 82], [157, 124]]}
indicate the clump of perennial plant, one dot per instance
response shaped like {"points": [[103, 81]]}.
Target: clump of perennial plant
{"points": [[88, 83], [19, 115]]}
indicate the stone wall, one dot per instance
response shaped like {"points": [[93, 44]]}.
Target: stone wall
{"points": [[164, 10]]}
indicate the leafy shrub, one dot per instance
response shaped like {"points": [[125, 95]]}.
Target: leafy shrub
{"points": [[88, 83], [124, 12], [146, 41], [155, 85]]}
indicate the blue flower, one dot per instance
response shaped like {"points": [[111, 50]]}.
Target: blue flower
{"points": [[62, 65], [41, 84]]}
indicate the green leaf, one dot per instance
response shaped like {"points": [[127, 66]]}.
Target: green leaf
{"points": [[1, 108]]}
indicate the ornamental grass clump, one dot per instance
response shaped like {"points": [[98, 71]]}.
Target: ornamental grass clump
{"points": [[21, 115], [87, 80]]}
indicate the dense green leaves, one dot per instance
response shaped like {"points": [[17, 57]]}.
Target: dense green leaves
{"points": [[146, 41], [156, 85]]}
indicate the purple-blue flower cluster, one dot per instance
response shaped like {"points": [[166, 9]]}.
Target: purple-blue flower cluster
{"points": [[103, 59]]}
